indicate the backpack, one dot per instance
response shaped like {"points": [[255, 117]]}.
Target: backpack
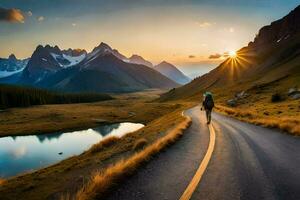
{"points": [[209, 102]]}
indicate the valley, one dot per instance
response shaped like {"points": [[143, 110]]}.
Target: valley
{"points": [[99, 122]]}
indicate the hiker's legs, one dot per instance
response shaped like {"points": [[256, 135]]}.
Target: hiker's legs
{"points": [[208, 116]]}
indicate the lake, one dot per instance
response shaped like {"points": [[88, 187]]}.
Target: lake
{"points": [[19, 154]]}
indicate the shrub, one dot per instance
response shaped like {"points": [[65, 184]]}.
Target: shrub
{"points": [[1, 181], [140, 144], [276, 98], [104, 144]]}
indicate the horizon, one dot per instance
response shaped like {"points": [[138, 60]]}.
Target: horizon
{"points": [[156, 27]]}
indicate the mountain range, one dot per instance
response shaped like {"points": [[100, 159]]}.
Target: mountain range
{"points": [[11, 65], [273, 59], [74, 70]]}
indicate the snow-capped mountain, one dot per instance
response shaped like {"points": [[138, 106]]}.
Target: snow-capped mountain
{"points": [[11, 65], [102, 70], [49, 60], [105, 49]]}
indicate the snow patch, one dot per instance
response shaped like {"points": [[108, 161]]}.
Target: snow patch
{"points": [[73, 60], [9, 73]]}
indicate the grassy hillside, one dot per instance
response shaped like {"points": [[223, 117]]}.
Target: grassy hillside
{"points": [[16, 96], [266, 69]]}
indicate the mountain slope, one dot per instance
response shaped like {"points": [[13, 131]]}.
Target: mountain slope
{"points": [[172, 72], [273, 56]]}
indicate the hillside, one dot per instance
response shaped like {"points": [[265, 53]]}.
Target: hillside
{"points": [[272, 59]]}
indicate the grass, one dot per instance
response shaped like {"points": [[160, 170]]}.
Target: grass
{"points": [[103, 182], [104, 144], [288, 124], [67, 117], [69, 175]]}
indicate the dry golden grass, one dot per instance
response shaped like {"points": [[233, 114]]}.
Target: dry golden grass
{"points": [[288, 124], [140, 144], [69, 175], [107, 142], [68, 117], [102, 182], [1, 181]]}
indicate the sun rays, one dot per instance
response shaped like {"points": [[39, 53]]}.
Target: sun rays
{"points": [[238, 61]]}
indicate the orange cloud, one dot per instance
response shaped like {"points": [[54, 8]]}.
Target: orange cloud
{"points": [[215, 56], [205, 24], [11, 15]]}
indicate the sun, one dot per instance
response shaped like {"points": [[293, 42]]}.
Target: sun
{"points": [[232, 54]]}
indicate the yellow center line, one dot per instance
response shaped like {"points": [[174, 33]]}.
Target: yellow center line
{"points": [[200, 171]]}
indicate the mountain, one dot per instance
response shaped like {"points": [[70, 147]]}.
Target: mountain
{"points": [[136, 59], [273, 59], [164, 68], [103, 71], [74, 70], [11, 65], [48, 60], [172, 72]]}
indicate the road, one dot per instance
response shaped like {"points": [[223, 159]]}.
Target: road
{"points": [[248, 162]]}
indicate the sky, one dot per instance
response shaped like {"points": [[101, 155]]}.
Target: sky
{"points": [[188, 33]]}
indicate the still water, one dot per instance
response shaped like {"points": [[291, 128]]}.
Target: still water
{"points": [[21, 154]]}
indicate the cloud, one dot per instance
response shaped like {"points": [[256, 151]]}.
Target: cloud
{"points": [[218, 55], [192, 56], [29, 13], [205, 24], [215, 56], [226, 54], [41, 18], [11, 15], [231, 30]]}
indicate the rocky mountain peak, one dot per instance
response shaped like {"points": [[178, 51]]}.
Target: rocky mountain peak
{"points": [[278, 31], [102, 47], [12, 57]]}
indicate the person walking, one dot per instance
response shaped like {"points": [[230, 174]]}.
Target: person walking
{"points": [[208, 104]]}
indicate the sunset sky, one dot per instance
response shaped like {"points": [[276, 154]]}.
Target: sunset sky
{"points": [[185, 33]]}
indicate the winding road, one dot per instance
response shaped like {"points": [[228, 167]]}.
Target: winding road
{"points": [[227, 160]]}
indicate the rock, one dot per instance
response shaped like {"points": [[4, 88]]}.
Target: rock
{"points": [[292, 91], [241, 95], [296, 96], [131, 114], [60, 153], [232, 102]]}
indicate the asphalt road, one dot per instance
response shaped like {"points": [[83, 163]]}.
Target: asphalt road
{"points": [[248, 162]]}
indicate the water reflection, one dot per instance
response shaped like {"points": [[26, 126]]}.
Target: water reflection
{"points": [[25, 153]]}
